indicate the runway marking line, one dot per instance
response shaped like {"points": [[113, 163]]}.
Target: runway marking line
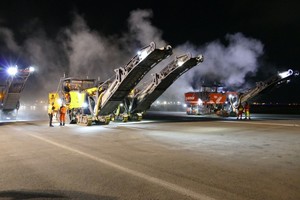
{"points": [[146, 177], [262, 123]]}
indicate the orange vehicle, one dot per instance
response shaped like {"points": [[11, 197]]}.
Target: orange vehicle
{"points": [[209, 100], [215, 100]]}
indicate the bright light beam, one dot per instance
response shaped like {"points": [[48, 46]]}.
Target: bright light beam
{"points": [[286, 73], [31, 69], [12, 71]]}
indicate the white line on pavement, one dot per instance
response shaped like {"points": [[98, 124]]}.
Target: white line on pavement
{"points": [[262, 123], [146, 177]]}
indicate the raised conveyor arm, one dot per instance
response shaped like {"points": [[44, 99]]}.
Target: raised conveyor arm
{"points": [[261, 86], [162, 81], [15, 85], [129, 76]]}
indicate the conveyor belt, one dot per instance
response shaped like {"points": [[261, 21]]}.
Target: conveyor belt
{"points": [[129, 76], [262, 86], [162, 81], [14, 88]]}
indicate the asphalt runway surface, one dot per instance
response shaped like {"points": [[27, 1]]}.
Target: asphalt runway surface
{"points": [[168, 155]]}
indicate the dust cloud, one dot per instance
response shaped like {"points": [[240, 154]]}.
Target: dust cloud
{"points": [[79, 51]]}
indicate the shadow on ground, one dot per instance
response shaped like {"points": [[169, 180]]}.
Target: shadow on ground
{"points": [[27, 194]]}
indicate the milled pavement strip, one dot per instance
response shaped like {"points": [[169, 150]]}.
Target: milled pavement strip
{"points": [[146, 177]]}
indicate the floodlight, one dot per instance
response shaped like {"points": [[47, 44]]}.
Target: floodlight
{"points": [[12, 71], [31, 69], [286, 73]]}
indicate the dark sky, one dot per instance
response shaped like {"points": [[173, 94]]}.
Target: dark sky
{"points": [[48, 34]]}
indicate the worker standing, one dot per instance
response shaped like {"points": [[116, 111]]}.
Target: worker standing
{"points": [[247, 110], [240, 110], [51, 109], [62, 116], [67, 89]]}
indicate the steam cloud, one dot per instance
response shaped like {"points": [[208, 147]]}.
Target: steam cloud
{"points": [[227, 65], [79, 51]]}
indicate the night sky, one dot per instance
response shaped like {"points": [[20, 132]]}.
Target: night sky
{"points": [[242, 41]]}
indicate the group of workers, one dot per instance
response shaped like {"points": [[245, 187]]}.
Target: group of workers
{"points": [[62, 110], [62, 114], [243, 109]]}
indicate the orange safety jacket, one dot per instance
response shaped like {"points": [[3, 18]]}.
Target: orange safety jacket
{"points": [[63, 110], [247, 108]]}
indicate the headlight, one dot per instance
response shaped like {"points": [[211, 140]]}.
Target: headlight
{"points": [[84, 105]]}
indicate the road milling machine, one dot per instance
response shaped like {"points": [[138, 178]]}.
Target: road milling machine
{"points": [[12, 83], [72, 92], [95, 104], [275, 81], [214, 100], [139, 101]]}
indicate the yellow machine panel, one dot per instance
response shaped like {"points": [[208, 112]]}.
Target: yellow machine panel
{"points": [[77, 99], [91, 91], [54, 98]]}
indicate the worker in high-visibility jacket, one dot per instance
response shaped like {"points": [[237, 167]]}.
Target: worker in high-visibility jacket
{"points": [[62, 116], [247, 110], [240, 110], [51, 109]]}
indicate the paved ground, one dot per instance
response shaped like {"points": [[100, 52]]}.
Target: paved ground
{"points": [[167, 156]]}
